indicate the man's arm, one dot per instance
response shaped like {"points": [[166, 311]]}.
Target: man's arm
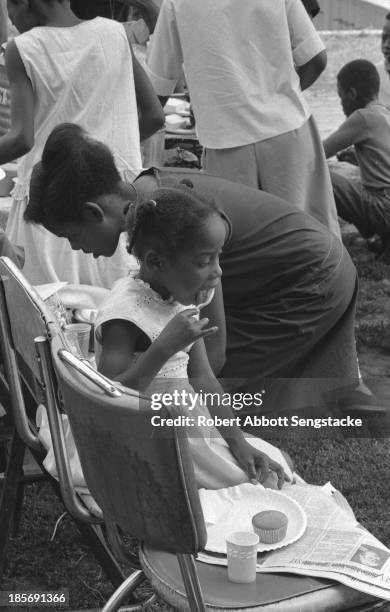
{"points": [[164, 59], [3, 22], [308, 50], [150, 113], [312, 7], [20, 138], [309, 72], [349, 133]]}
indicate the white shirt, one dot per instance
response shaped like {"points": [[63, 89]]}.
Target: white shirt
{"points": [[384, 86], [82, 74], [239, 58]]}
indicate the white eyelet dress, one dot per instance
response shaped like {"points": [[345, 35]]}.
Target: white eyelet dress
{"points": [[135, 301]]}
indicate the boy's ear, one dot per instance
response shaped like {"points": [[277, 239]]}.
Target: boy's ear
{"points": [[93, 212], [352, 93], [154, 261]]}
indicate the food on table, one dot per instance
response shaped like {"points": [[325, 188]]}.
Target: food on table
{"points": [[270, 526]]}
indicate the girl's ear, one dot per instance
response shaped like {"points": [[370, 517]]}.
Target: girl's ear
{"points": [[92, 212], [154, 261]]}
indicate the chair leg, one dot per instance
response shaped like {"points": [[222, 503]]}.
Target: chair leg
{"points": [[123, 591], [18, 507], [94, 538], [3, 457], [92, 534], [9, 494], [191, 583]]}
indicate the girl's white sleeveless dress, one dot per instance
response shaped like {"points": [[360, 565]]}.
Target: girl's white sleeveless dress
{"points": [[135, 301], [81, 74]]}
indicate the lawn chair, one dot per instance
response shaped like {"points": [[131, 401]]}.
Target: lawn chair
{"points": [[144, 481], [23, 316]]}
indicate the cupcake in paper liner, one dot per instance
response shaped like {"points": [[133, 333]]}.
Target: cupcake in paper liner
{"points": [[270, 526]]}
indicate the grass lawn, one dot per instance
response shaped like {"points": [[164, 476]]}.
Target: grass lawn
{"points": [[44, 557]]}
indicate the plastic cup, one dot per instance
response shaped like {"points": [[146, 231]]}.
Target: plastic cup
{"points": [[78, 334], [242, 556]]}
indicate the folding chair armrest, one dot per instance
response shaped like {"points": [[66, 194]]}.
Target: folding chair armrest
{"points": [[84, 367]]}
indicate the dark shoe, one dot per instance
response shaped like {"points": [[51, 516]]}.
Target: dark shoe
{"points": [[375, 244], [363, 403], [384, 254], [3, 460]]}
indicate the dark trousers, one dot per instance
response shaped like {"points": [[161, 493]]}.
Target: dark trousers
{"points": [[368, 210]]}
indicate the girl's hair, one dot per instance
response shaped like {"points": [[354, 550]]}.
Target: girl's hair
{"points": [[74, 169], [170, 223]]}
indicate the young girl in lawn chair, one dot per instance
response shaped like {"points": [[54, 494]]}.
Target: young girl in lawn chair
{"points": [[151, 332]]}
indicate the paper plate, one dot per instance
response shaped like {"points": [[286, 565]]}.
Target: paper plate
{"points": [[238, 517], [181, 131], [181, 113]]}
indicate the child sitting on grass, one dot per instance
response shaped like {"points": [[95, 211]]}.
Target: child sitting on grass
{"points": [[365, 203], [150, 330]]}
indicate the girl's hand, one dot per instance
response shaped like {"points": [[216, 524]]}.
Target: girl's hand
{"points": [[255, 463], [182, 330]]}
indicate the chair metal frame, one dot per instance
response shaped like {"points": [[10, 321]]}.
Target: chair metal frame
{"points": [[186, 561], [76, 382], [27, 388]]}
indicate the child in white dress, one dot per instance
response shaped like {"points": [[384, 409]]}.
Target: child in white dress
{"points": [[150, 335]]}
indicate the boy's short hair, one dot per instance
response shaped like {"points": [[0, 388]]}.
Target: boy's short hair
{"points": [[74, 169], [362, 76]]}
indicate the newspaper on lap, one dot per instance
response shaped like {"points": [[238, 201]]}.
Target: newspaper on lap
{"points": [[334, 545]]}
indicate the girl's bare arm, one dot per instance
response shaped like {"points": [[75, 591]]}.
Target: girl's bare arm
{"points": [[20, 138], [119, 340], [150, 112], [254, 462]]}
